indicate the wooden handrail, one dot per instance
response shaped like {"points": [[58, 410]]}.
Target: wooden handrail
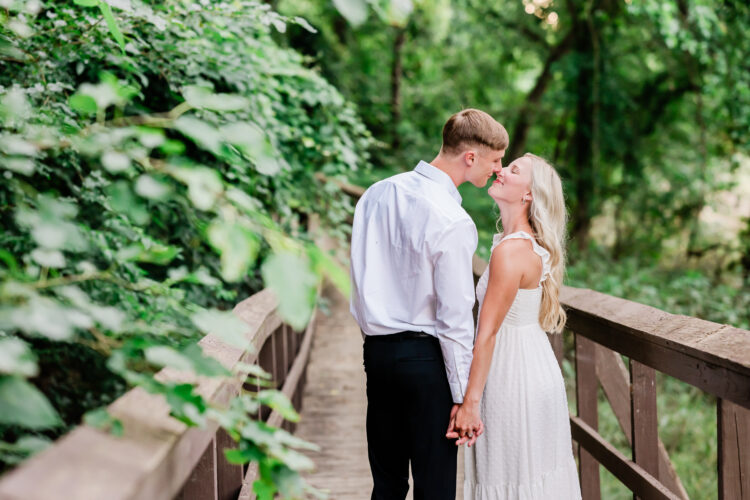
{"points": [[707, 355], [710, 356], [157, 455]]}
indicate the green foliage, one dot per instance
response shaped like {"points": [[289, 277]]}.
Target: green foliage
{"points": [[155, 158], [640, 105]]}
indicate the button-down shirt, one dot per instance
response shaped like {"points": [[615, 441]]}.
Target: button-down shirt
{"points": [[411, 252]]}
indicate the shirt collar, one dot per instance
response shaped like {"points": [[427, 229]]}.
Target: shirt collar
{"points": [[437, 175]]}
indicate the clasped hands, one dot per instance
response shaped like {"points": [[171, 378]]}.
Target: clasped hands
{"points": [[465, 425]]}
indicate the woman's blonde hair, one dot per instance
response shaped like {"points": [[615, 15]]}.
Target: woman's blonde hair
{"points": [[548, 219]]}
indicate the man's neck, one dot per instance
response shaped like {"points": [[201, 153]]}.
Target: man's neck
{"points": [[453, 168]]}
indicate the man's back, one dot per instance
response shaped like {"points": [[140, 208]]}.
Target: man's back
{"points": [[396, 237]]}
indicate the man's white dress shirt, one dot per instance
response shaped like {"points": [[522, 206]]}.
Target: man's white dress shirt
{"points": [[411, 253]]}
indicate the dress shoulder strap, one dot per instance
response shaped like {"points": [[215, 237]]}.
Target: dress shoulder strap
{"points": [[542, 252]]}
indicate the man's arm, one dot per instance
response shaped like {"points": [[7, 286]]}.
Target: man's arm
{"points": [[454, 288]]}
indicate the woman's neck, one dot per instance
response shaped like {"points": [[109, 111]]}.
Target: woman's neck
{"points": [[514, 219]]}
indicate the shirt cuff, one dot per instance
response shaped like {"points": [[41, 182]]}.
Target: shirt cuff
{"points": [[457, 392]]}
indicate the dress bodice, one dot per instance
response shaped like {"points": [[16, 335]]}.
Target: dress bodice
{"points": [[525, 308]]}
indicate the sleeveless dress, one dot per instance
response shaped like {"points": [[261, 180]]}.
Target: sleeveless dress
{"points": [[525, 452]]}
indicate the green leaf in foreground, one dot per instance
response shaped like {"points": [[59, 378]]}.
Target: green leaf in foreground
{"points": [[280, 403], [237, 246], [16, 358], [290, 277], [101, 419], [112, 24], [83, 104], [24, 405], [355, 11], [223, 324]]}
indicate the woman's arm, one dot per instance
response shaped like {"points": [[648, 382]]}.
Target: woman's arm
{"points": [[506, 273]]}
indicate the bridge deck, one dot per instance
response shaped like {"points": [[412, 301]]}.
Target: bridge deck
{"points": [[334, 406]]}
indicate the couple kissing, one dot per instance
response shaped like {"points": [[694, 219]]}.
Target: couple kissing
{"points": [[434, 380]]}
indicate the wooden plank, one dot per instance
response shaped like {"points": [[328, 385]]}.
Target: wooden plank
{"points": [[614, 378], [202, 482], [228, 476], [643, 417], [637, 479], [734, 451], [246, 493], [586, 402], [556, 341], [291, 384], [710, 356], [157, 453], [294, 381], [615, 381]]}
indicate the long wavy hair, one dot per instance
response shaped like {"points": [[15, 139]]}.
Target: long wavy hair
{"points": [[548, 219]]}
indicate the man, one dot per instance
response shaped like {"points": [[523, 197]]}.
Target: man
{"points": [[413, 295]]}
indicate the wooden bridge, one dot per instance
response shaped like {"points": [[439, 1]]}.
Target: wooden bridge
{"points": [[321, 371]]}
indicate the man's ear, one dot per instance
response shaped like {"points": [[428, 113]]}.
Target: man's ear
{"points": [[469, 157]]}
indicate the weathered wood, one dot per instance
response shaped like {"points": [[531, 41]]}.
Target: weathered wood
{"points": [[643, 417], [556, 340], [615, 381], [202, 484], [293, 382], [586, 401], [638, 480], [295, 374], [710, 356], [228, 476], [734, 451], [157, 453]]}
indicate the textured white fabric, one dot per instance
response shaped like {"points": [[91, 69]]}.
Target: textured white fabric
{"points": [[411, 252], [525, 452]]}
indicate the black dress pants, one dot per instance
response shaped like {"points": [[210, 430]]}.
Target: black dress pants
{"points": [[408, 409]]}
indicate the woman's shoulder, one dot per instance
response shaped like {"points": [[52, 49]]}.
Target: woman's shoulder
{"points": [[514, 254]]}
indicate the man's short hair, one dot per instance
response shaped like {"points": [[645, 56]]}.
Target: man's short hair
{"points": [[472, 127]]}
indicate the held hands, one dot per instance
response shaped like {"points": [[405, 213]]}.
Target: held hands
{"points": [[465, 424]]}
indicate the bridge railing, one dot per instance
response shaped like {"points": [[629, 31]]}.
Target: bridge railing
{"points": [[712, 357], [158, 457]]}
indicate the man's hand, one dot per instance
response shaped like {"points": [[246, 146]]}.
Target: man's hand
{"points": [[451, 433], [465, 424]]}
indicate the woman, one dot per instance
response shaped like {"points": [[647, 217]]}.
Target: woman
{"points": [[515, 386]]}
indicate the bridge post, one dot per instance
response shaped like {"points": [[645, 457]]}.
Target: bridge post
{"points": [[643, 418], [734, 453], [586, 402], [202, 482]]}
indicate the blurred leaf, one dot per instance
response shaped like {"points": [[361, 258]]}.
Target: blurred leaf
{"points": [[101, 419], [355, 11], [204, 185], [289, 275], [202, 133], [237, 246], [23, 405], [83, 104], [112, 24], [280, 403], [204, 98], [16, 358], [224, 324]]}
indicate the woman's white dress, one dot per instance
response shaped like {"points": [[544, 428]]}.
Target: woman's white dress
{"points": [[525, 452]]}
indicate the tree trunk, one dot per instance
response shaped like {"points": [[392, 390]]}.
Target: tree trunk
{"points": [[531, 104], [396, 74], [582, 157]]}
